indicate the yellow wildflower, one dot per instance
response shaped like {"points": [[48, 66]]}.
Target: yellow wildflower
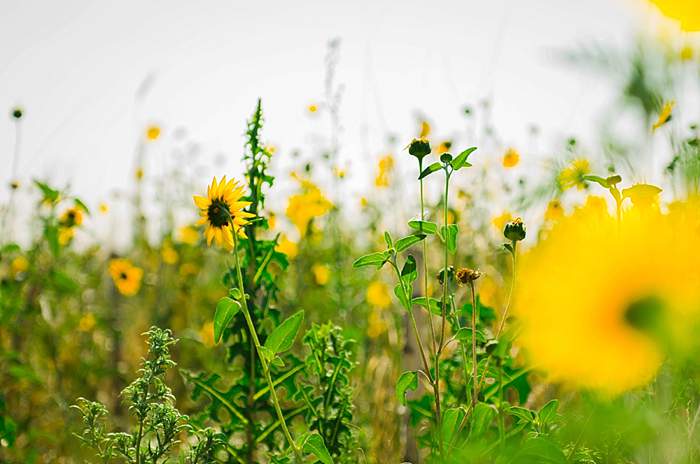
{"points": [[65, 235], [385, 167], [686, 12], [139, 173], [573, 175], [511, 158], [71, 217], [87, 322], [554, 210], [424, 129], [364, 202], [221, 211], [322, 273], [19, 265], [104, 208], [444, 147], [286, 246], [665, 115], [188, 234], [152, 133], [339, 172], [378, 295], [686, 53], [169, 254], [376, 326], [310, 203], [126, 276], [499, 222], [312, 108]]}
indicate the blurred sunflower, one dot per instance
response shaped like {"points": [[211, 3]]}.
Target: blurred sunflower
{"points": [[126, 276], [574, 174], [307, 205], [378, 295], [71, 217], [286, 246], [384, 168], [511, 158], [602, 302], [686, 12], [322, 273], [222, 209]]}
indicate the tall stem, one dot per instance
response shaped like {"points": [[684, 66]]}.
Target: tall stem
{"points": [[425, 262], [445, 278], [475, 372], [263, 361]]}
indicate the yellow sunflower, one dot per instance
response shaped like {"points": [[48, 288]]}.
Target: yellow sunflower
{"points": [[221, 209], [511, 158], [71, 217], [378, 295], [384, 169], [126, 276], [601, 303], [573, 174], [686, 12]]}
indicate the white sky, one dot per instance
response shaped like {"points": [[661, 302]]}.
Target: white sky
{"points": [[75, 67]]}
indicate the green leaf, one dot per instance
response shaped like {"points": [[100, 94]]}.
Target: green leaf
{"points": [[539, 450], [282, 338], [431, 304], [409, 273], [387, 239], [424, 227], [448, 234], [548, 412], [450, 423], [407, 381], [398, 291], [461, 160], [51, 234], [464, 334], [315, 446], [81, 205], [373, 259], [48, 193], [429, 170], [522, 413], [226, 308], [403, 243], [482, 417]]}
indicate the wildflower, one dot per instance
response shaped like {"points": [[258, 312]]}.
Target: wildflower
{"points": [[686, 12], [554, 210], [152, 133], [466, 275], [104, 208], [444, 147], [138, 174], [385, 166], [65, 235], [307, 205], [312, 108], [271, 221], [511, 158], [206, 333], [87, 322], [221, 210], [376, 326], [19, 265], [424, 129], [420, 148], [686, 53], [286, 246], [574, 174], [189, 270], [322, 273], [665, 115], [339, 172], [126, 276], [378, 295], [515, 230], [271, 149], [500, 221], [169, 254], [14, 185], [71, 217], [188, 235], [364, 202], [601, 298]]}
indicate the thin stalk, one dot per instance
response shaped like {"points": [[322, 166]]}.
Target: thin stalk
{"points": [[475, 371], [425, 261], [444, 301], [263, 361], [464, 351]]}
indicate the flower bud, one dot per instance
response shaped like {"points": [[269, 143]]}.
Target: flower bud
{"points": [[446, 158], [466, 275], [420, 148], [17, 113], [515, 230]]}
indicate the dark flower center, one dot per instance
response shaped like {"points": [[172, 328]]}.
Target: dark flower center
{"points": [[123, 275], [645, 314], [218, 213]]}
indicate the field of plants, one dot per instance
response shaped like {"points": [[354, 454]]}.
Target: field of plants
{"points": [[417, 322]]}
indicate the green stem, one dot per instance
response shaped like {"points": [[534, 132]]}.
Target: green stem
{"points": [[425, 262], [263, 361], [475, 371], [445, 278]]}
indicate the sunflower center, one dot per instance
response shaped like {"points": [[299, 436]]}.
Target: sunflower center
{"points": [[218, 213], [123, 275], [645, 314]]}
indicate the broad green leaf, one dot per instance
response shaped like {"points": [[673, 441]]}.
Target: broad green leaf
{"points": [[461, 160], [429, 170], [548, 412], [435, 304], [373, 259], [409, 273], [314, 445], [10, 248], [226, 308], [403, 243], [522, 413], [450, 423], [448, 234], [539, 450], [482, 417], [48, 193], [407, 381], [424, 227], [401, 295], [464, 334], [282, 338]]}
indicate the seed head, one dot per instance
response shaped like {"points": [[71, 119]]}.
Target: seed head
{"points": [[420, 148], [466, 275], [515, 230]]}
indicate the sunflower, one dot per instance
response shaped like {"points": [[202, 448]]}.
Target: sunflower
{"points": [[601, 303], [378, 295], [384, 169], [71, 217], [221, 209], [574, 174], [686, 12], [126, 276], [511, 158]]}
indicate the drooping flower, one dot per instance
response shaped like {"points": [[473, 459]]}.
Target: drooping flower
{"points": [[574, 174], [378, 295], [221, 210], [598, 301], [511, 158], [126, 276]]}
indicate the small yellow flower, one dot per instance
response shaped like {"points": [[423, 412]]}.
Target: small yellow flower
{"points": [[378, 295], [307, 205], [686, 12], [339, 172], [19, 265], [286, 246], [554, 210], [14, 185], [169, 254], [272, 220], [364, 202], [126, 276], [573, 175], [65, 235], [71, 217], [104, 208], [87, 322], [511, 158], [376, 326], [189, 270], [152, 133], [188, 235], [271, 149], [139, 173], [686, 53], [206, 333], [322, 273], [444, 147], [665, 115], [221, 210], [499, 222], [385, 167], [424, 129], [312, 108]]}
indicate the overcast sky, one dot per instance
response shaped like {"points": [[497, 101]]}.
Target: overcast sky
{"points": [[76, 66]]}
